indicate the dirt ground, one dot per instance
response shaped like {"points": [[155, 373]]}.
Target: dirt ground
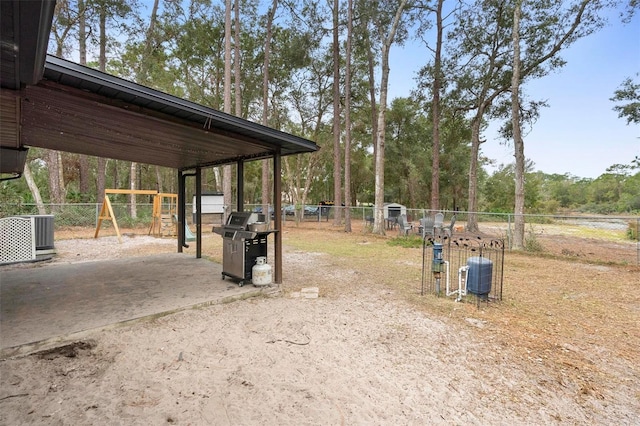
{"points": [[561, 348]]}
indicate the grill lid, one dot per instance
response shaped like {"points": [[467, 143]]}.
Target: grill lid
{"points": [[241, 220], [237, 226]]}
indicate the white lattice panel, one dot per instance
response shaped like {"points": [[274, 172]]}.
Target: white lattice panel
{"points": [[17, 239]]}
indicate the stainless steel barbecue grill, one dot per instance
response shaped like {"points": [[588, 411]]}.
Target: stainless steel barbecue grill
{"points": [[241, 245]]}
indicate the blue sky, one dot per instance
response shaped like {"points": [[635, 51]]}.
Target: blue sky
{"points": [[578, 133]]}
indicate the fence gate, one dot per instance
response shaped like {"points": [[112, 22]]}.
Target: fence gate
{"points": [[463, 267]]}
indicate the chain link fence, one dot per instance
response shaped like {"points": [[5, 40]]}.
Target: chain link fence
{"points": [[83, 215], [603, 239], [599, 238]]}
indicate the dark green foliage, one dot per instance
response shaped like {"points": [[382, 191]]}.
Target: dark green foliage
{"points": [[629, 95], [617, 191]]}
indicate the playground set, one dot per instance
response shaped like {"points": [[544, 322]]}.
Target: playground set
{"points": [[164, 221]]}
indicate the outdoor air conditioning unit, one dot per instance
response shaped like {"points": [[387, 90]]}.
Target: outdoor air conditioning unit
{"points": [[23, 238], [43, 231]]}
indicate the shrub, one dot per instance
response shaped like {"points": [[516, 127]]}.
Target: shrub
{"points": [[531, 243], [632, 230]]}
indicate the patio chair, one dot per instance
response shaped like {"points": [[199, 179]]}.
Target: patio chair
{"points": [[403, 225], [426, 226], [448, 230], [438, 223], [391, 222]]}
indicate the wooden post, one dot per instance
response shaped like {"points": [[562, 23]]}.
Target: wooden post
{"points": [[240, 185], [277, 210], [106, 213], [156, 220], [198, 213], [181, 208]]}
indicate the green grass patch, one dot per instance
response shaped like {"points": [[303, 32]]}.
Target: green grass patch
{"points": [[605, 234], [409, 241]]}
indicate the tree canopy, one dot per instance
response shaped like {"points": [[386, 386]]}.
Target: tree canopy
{"points": [[296, 83]]}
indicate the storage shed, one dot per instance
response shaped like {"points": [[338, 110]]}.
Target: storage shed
{"points": [[212, 207], [393, 210]]}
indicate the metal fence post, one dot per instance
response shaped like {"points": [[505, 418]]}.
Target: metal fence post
{"points": [[509, 231]]}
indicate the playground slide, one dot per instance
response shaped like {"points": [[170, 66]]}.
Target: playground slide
{"points": [[188, 236]]}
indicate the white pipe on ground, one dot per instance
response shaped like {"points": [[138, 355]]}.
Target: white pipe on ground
{"points": [[460, 291], [448, 286]]}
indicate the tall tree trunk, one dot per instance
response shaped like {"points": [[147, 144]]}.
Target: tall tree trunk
{"points": [[347, 121], [236, 62], [227, 56], [226, 169], [266, 187], [83, 160], [217, 178], [518, 143], [53, 158], [472, 219], [102, 59], [35, 192], [435, 111], [84, 177], [133, 174], [237, 59], [159, 182], [143, 77], [115, 175], [337, 157], [378, 226], [101, 173], [144, 74], [82, 33], [56, 184], [372, 99]]}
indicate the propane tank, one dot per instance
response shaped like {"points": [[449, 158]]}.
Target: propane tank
{"points": [[261, 272]]}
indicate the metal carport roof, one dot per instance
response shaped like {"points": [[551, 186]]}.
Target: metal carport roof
{"points": [[79, 109], [53, 103], [57, 104]]}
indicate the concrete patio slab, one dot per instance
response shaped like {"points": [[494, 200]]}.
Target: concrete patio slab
{"points": [[51, 304]]}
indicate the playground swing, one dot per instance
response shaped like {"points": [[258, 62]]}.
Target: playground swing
{"points": [[164, 212], [165, 207]]}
